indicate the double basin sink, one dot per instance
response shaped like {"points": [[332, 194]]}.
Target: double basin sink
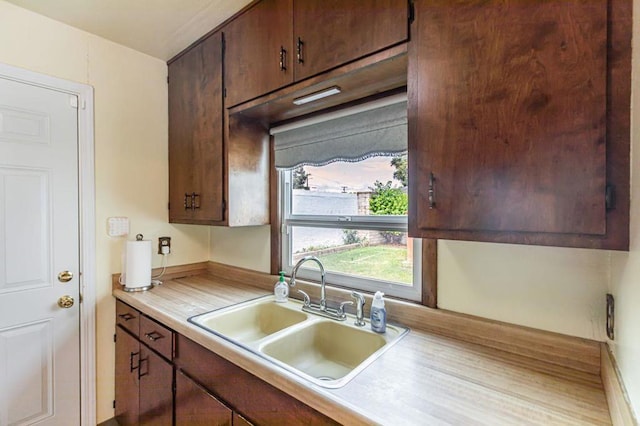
{"points": [[323, 351]]}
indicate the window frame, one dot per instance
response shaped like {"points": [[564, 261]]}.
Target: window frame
{"points": [[415, 292]]}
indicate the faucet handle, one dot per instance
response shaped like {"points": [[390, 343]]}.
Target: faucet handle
{"points": [[340, 310], [307, 299]]}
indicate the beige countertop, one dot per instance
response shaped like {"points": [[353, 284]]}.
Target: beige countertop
{"points": [[426, 378]]}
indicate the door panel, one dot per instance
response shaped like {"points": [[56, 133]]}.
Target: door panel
{"points": [[27, 361], [39, 234], [25, 228]]}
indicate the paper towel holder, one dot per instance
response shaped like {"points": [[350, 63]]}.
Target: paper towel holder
{"points": [[139, 237]]}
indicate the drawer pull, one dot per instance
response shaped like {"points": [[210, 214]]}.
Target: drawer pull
{"points": [[126, 316], [153, 336]]}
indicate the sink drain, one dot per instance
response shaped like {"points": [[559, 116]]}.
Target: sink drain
{"points": [[325, 378]]}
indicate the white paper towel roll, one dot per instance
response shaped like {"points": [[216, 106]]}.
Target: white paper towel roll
{"points": [[138, 264]]}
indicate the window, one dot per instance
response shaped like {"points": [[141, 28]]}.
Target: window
{"points": [[343, 199]]}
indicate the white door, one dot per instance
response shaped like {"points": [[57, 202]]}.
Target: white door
{"points": [[39, 240]]}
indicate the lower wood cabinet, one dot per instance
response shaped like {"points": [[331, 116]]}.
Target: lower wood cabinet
{"points": [[163, 378], [197, 407], [156, 393], [248, 396], [144, 373], [127, 382], [144, 384]]}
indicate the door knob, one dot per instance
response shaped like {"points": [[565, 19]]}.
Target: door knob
{"points": [[65, 276], [65, 302]]}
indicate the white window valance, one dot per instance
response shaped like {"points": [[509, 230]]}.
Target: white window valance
{"points": [[378, 128]]}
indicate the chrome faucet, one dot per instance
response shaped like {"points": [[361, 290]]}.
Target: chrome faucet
{"points": [[294, 272], [321, 309]]}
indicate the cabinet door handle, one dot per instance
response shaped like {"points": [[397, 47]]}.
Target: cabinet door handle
{"points": [[131, 367], [140, 373], [432, 191], [283, 59], [153, 336], [195, 197], [299, 51], [187, 198]]}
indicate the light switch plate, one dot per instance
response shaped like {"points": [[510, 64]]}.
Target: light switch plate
{"points": [[118, 226]]}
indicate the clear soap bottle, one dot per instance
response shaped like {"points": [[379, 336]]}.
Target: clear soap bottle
{"points": [[281, 289], [378, 313]]}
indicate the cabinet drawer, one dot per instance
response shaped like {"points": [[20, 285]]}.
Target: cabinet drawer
{"points": [[156, 336], [127, 317]]}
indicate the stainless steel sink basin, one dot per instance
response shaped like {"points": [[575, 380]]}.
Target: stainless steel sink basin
{"points": [[326, 352]]}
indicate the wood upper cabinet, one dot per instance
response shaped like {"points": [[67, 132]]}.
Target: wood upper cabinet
{"points": [[279, 42], [329, 33], [196, 150], [509, 126], [258, 51]]}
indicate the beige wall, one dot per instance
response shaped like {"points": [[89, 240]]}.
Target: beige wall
{"points": [[247, 247], [549, 288], [625, 267], [130, 144]]}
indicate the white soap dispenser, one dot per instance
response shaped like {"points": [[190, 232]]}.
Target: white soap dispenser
{"points": [[281, 289], [378, 313]]}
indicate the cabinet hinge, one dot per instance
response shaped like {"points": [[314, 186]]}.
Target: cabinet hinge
{"points": [[412, 12], [224, 207], [114, 403], [167, 79], [114, 337], [224, 92], [610, 197], [169, 206]]}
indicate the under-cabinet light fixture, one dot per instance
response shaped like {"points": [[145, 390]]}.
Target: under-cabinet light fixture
{"points": [[317, 95]]}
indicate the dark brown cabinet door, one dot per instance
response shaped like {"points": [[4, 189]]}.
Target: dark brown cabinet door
{"points": [[156, 389], [259, 49], [507, 113], [126, 378], [251, 397], [330, 33], [197, 407], [196, 166]]}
